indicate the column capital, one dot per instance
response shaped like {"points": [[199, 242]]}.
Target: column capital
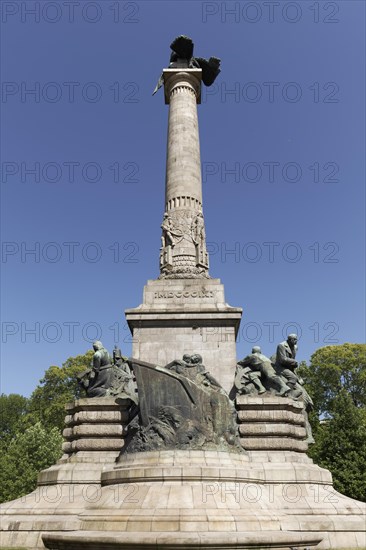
{"points": [[177, 77]]}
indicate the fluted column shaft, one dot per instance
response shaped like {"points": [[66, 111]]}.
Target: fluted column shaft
{"points": [[183, 252], [183, 167]]}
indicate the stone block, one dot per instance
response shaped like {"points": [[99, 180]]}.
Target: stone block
{"points": [[249, 402], [190, 315], [100, 417], [273, 443], [272, 429], [67, 447], [271, 416], [67, 433], [90, 444], [98, 430]]}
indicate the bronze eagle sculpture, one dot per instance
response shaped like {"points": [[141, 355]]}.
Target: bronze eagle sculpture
{"points": [[182, 58]]}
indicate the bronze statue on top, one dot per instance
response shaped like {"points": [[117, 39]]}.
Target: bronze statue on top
{"points": [[182, 58]]}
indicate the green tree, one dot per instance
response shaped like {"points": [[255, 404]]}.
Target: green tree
{"points": [[332, 369], [57, 387], [341, 446], [28, 453], [336, 380], [13, 411], [30, 429]]}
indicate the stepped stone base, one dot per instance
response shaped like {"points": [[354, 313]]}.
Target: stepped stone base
{"points": [[206, 499], [264, 498], [271, 424], [94, 437], [93, 440]]}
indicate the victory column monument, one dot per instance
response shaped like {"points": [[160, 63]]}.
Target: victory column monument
{"points": [[157, 455]]}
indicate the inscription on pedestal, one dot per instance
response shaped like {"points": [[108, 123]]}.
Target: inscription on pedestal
{"points": [[184, 294]]}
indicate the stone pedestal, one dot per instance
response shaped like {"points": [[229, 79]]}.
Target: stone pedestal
{"points": [[182, 499], [185, 316], [207, 499], [93, 437], [271, 424], [272, 496], [93, 441]]}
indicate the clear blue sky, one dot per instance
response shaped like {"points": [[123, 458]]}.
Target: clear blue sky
{"points": [[293, 132]]}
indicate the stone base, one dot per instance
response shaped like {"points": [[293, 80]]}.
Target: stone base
{"points": [[93, 440], [271, 424], [186, 316], [94, 437], [207, 499], [269, 497]]}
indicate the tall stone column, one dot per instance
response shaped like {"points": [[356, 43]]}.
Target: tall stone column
{"points": [[183, 251], [184, 311]]}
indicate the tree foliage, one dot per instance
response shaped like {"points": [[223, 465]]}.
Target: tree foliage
{"points": [[13, 411], [57, 387], [336, 368], [341, 446], [30, 429], [336, 380], [28, 453]]}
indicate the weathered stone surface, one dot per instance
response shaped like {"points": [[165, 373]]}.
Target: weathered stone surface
{"points": [[67, 433], [181, 238], [167, 492], [279, 456], [74, 472], [95, 425], [102, 404], [249, 402], [98, 430], [186, 316], [261, 429], [99, 417], [94, 437], [264, 496], [245, 416], [271, 423], [273, 443], [96, 444]]}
